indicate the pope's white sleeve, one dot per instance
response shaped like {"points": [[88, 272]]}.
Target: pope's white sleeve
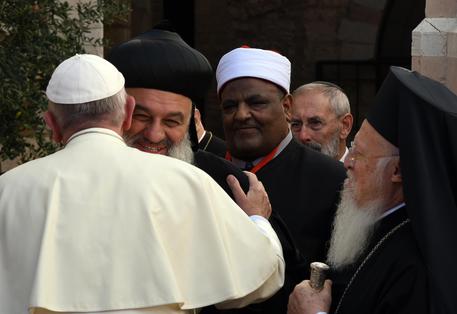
{"points": [[274, 282], [265, 227]]}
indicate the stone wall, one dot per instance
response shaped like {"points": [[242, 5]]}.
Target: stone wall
{"points": [[304, 31], [434, 50], [308, 32]]}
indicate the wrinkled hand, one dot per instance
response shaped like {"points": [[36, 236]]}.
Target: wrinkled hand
{"points": [[306, 300], [256, 201]]}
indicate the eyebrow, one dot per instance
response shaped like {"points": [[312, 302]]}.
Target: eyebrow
{"points": [[255, 97], [175, 114], [315, 118], [140, 107]]}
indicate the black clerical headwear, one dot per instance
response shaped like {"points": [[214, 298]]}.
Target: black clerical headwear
{"points": [[419, 116], [160, 59]]}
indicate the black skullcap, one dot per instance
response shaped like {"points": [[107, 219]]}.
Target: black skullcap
{"points": [[419, 116], [160, 59]]}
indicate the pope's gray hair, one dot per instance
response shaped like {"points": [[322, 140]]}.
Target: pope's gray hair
{"points": [[110, 109]]}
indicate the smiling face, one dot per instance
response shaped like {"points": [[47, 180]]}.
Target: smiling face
{"points": [[254, 116], [160, 120]]}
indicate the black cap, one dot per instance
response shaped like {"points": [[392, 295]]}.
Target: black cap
{"points": [[161, 59], [419, 116]]}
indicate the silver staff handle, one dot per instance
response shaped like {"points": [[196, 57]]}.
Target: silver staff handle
{"points": [[318, 275]]}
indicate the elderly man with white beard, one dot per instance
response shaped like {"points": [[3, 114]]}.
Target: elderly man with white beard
{"points": [[394, 235]]}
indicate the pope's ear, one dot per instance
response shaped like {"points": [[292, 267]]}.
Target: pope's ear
{"points": [[129, 107], [51, 122], [396, 176]]}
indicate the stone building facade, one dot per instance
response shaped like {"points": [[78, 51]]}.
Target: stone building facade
{"points": [[347, 42]]}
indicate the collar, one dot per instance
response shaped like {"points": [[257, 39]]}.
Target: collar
{"points": [[95, 130], [344, 155], [242, 163], [201, 137], [390, 211]]}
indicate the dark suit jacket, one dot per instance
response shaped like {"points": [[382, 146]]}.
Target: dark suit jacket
{"points": [[219, 169], [303, 186]]}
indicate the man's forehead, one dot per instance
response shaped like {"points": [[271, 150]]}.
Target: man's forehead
{"points": [[158, 94], [312, 104], [248, 86], [153, 99], [164, 110], [368, 138]]}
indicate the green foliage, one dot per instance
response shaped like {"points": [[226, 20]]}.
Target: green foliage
{"points": [[35, 36]]}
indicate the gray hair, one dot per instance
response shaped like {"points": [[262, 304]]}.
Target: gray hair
{"points": [[338, 100], [110, 109]]}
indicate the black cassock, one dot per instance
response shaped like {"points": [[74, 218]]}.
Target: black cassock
{"points": [[303, 187], [213, 144], [393, 280], [218, 169]]}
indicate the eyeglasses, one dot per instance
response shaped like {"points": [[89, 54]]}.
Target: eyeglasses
{"points": [[354, 155], [314, 123]]}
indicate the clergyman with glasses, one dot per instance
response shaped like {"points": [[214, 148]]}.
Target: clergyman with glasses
{"points": [[394, 236], [321, 118]]}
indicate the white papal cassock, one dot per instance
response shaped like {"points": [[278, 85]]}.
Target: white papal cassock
{"points": [[99, 226]]}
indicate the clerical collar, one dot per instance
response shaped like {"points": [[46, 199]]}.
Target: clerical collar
{"points": [[275, 152], [95, 130], [390, 211], [201, 137], [346, 152]]}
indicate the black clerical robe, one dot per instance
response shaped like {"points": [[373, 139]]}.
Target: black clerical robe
{"points": [[303, 187], [392, 281], [213, 144], [218, 169]]}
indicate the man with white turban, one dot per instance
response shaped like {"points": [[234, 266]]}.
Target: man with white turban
{"points": [[302, 184]]}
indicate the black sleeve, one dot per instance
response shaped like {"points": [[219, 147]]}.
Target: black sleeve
{"points": [[219, 169]]}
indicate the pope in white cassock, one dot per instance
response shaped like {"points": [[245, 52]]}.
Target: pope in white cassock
{"points": [[102, 227]]}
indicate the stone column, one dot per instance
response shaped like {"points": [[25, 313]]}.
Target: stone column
{"points": [[96, 31], [434, 46]]}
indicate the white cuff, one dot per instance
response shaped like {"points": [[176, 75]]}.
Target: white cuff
{"points": [[265, 227]]}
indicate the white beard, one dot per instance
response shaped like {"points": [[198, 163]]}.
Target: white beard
{"points": [[352, 230], [182, 150], [332, 147]]}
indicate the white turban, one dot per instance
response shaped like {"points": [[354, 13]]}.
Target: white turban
{"points": [[252, 62]]}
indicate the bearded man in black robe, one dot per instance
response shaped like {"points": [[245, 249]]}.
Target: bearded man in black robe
{"points": [[394, 236]]}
